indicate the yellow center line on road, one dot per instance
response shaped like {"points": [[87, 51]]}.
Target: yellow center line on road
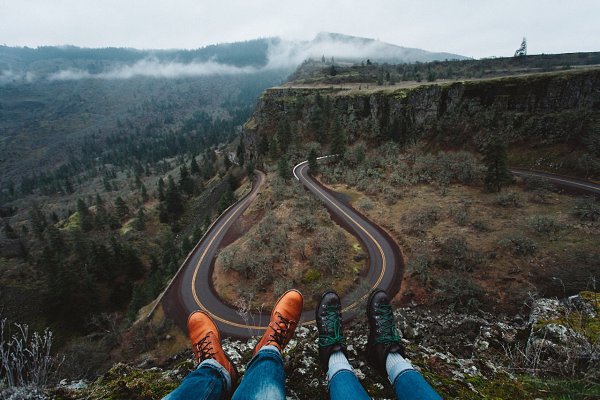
{"points": [[201, 259], [383, 258], [257, 327]]}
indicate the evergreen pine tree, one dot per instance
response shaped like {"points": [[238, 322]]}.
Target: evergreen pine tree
{"points": [[227, 199], [194, 168], [121, 208], [144, 193], [173, 202], [186, 245], [140, 219], [316, 121], [196, 234], [263, 146], [37, 220], [312, 161], [86, 222], [241, 153], [185, 182], [226, 161], [161, 189], [283, 168], [495, 158], [338, 139], [283, 135]]}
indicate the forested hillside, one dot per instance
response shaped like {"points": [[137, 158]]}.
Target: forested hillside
{"points": [[108, 182]]}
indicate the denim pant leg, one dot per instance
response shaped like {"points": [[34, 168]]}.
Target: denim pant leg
{"points": [[210, 381], [264, 378], [410, 385], [344, 385]]}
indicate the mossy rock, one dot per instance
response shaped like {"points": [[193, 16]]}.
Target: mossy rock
{"points": [[125, 382]]}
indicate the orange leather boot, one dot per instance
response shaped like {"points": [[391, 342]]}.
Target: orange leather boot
{"points": [[206, 342], [284, 319]]}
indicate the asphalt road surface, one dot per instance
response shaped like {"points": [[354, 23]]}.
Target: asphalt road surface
{"points": [[569, 184], [192, 289]]}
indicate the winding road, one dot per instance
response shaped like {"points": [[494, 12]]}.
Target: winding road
{"points": [[191, 289], [568, 183]]}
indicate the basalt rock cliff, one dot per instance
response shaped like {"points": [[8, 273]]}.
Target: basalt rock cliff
{"points": [[550, 121]]}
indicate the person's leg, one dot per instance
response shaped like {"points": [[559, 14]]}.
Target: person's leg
{"points": [[265, 377], [343, 383], [385, 351], [215, 375], [210, 381], [408, 383]]}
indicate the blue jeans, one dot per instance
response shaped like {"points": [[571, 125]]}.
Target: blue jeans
{"points": [[408, 385], [264, 379]]}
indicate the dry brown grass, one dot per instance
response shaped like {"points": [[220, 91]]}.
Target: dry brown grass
{"points": [[562, 262]]}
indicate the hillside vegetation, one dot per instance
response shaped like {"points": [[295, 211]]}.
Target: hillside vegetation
{"points": [[108, 183]]}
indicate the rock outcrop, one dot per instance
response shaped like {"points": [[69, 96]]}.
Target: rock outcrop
{"points": [[462, 355], [540, 110]]}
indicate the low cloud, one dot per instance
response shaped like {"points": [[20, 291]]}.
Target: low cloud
{"points": [[292, 53], [154, 68], [10, 76], [282, 54]]}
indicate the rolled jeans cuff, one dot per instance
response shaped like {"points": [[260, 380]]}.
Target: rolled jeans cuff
{"points": [[398, 370], [212, 363]]}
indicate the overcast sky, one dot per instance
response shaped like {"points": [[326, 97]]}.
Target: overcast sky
{"points": [[475, 28]]}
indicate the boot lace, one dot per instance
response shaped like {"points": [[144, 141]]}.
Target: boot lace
{"points": [[204, 348], [280, 328], [332, 322], [386, 328]]}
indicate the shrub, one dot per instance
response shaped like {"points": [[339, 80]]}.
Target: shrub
{"points": [[540, 196], [458, 292], [25, 359], [465, 167], [425, 168], [533, 183], [455, 253], [519, 245], [586, 209], [480, 225], [509, 199], [543, 224], [307, 222], [329, 255], [390, 196], [422, 220], [460, 213], [420, 266], [311, 275], [366, 204], [227, 258]]}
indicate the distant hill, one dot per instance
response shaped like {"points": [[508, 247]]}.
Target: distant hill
{"points": [[22, 64]]}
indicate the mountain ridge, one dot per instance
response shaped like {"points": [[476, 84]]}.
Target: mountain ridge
{"points": [[24, 64]]}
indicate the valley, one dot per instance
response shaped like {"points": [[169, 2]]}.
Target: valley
{"points": [[130, 197]]}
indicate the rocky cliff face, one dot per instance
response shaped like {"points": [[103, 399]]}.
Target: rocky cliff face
{"points": [[466, 356], [554, 109]]}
